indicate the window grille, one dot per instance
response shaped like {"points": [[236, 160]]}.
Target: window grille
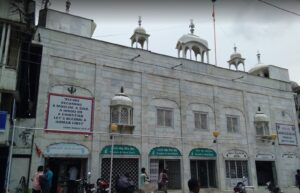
{"points": [[124, 116], [236, 169]]}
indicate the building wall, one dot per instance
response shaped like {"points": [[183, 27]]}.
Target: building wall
{"points": [[98, 69]]}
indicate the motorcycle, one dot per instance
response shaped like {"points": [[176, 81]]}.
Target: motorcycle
{"points": [[102, 186], [272, 188], [240, 187], [84, 186]]}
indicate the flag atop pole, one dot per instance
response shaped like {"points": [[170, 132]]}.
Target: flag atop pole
{"points": [[214, 20]]}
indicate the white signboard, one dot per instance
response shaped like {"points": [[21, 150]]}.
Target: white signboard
{"points": [[236, 154], [286, 134], [265, 156], [69, 113], [66, 149], [289, 155]]}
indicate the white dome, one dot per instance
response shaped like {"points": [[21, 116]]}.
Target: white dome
{"points": [[191, 38], [121, 99], [261, 117], [140, 30], [294, 85], [258, 67], [235, 55]]}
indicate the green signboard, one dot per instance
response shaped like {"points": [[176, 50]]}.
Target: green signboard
{"points": [[203, 152], [164, 151], [120, 150]]}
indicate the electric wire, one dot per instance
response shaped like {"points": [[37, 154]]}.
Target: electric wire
{"points": [[280, 8]]}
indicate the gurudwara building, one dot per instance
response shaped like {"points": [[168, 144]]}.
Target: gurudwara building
{"points": [[103, 105]]}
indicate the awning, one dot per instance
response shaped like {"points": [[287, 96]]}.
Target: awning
{"points": [[203, 152], [120, 150], [164, 151], [66, 150]]}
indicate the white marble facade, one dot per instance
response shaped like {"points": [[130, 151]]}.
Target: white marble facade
{"points": [[99, 69]]}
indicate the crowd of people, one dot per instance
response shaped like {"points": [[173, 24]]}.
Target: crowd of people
{"points": [[42, 182]]}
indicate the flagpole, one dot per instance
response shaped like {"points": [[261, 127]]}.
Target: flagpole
{"points": [[215, 39]]}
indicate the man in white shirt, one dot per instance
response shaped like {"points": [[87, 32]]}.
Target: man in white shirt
{"points": [[72, 185]]}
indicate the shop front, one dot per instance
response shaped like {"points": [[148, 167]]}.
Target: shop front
{"points": [[125, 159], [203, 167], [61, 157], [166, 158]]}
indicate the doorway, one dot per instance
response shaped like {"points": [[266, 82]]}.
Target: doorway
{"points": [[3, 166], [205, 172], [173, 170], [60, 168], [265, 171]]}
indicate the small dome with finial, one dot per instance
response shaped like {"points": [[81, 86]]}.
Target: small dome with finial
{"points": [[121, 99], [139, 35], [193, 43], [236, 59], [260, 116], [140, 29], [260, 69]]}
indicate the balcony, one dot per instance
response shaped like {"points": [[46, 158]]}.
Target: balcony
{"points": [[121, 129]]}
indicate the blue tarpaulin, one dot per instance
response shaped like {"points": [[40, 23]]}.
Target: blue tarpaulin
{"points": [[3, 115]]}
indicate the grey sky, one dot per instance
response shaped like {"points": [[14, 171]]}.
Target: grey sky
{"points": [[250, 24]]}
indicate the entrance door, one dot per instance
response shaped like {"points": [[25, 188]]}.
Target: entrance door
{"points": [[120, 167], [60, 168], [265, 171]]}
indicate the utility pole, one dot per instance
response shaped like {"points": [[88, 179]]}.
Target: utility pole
{"points": [[46, 4], [11, 145]]}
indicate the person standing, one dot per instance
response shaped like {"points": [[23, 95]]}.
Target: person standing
{"points": [[72, 186], [144, 179], [193, 185], [36, 179], [297, 176], [163, 180], [48, 175]]}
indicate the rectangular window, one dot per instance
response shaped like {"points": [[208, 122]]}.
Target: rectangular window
{"points": [[232, 124], [200, 120], [205, 172], [164, 117]]}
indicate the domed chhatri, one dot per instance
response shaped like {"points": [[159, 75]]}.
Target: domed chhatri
{"points": [[260, 69], [236, 59], [139, 35], [192, 43]]}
